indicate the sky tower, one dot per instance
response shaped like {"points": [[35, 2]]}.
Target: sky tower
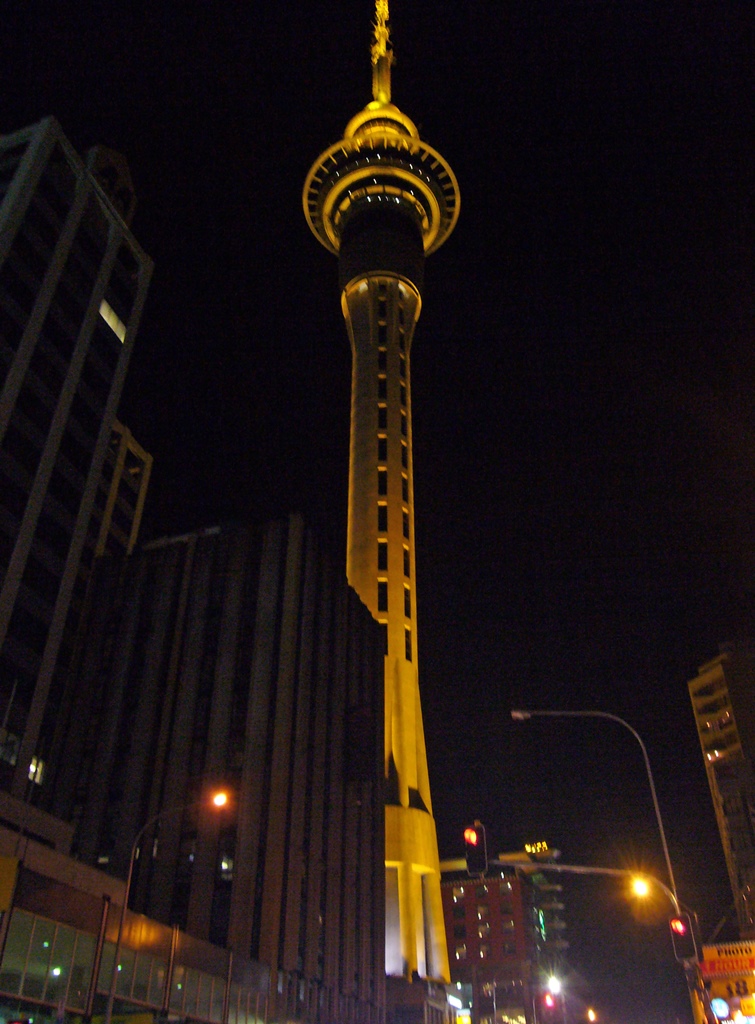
{"points": [[380, 199]]}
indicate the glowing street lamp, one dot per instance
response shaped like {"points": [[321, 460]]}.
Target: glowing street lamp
{"points": [[523, 716], [219, 799]]}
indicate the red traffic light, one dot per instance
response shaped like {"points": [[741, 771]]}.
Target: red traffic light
{"points": [[683, 937], [549, 1000], [471, 836]]}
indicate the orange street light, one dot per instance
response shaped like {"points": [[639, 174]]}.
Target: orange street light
{"points": [[218, 799]]}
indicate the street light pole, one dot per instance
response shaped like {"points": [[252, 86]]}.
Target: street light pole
{"points": [[523, 716], [219, 800]]}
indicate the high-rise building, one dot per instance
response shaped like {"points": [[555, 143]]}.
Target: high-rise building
{"points": [[240, 656], [381, 199], [723, 701], [73, 281], [502, 930]]}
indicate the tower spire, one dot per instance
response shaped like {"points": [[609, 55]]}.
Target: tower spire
{"points": [[382, 54]]}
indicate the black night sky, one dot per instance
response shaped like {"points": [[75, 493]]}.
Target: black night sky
{"points": [[582, 375]]}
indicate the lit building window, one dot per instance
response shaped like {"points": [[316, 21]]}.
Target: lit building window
{"points": [[484, 929], [461, 951], [458, 892], [484, 951], [483, 911], [37, 770], [113, 321]]}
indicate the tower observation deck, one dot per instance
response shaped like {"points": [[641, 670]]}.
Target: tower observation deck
{"points": [[381, 199]]}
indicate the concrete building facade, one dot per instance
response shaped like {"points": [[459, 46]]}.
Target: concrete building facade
{"points": [[73, 281], [723, 702], [239, 657]]}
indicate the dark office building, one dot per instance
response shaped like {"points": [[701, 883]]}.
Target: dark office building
{"points": [[238, 657], [72, 286]]}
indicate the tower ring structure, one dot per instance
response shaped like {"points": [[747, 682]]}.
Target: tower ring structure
{"points": [[381, 160]]}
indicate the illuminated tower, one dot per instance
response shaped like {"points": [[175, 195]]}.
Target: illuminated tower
{"points": [[381, 199]]}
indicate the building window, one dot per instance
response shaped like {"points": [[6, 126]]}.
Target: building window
{"points": [[382, 387], [382, 595], [406, 524], [403, 394], [401, 339], [407, 565], [382, 417], [37, 770], [403, 423], [507, 923], [484, 951], [382, 449], [381, 302], [484, 929], [404, 455], [382, 481], [382, 335], [401, 315], [383, 555], [407, 602], [460, 931], [383, 518], [509, 949], [402, 366], [481, 891], [404, 487], [461, 951], [483, 911], [382, 358], [459, 911], [408, 644], [506, 885], [458, 892]]}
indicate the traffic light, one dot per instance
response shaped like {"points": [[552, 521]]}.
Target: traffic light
{"points": [[549, 1001], [683, 937], [476, 844]]}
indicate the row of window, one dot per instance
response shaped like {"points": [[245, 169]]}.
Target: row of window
{"points": [[481, 891], [383, 519], [52, 963], [460, 950]]}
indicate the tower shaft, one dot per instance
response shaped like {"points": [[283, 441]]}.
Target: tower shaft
{"points": [[381, 310], [381, 199]]}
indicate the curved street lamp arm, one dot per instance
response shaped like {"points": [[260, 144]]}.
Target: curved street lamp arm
{"points": [[521, 716]]}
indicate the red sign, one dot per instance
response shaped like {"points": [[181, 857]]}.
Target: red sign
{"points": [[727, 965]]}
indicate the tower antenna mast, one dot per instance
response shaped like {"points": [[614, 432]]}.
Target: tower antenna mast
{"points": [[382, 54]]}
